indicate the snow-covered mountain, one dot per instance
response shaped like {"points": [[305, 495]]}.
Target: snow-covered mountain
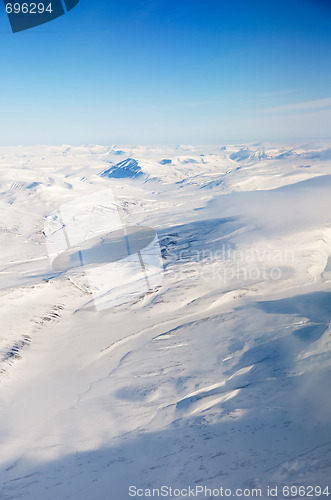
{"points": [[217, 377], [128, 168]]}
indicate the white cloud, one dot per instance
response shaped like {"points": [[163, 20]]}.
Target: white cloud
{"points": [[301, 106]]}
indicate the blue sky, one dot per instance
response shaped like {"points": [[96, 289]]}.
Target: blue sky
{"points": [[169, 72]]}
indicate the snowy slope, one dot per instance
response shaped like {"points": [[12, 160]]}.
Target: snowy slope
{"points": [[220, 375]]}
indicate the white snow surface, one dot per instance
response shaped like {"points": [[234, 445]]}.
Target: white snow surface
{"points": [[220, 376]]}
